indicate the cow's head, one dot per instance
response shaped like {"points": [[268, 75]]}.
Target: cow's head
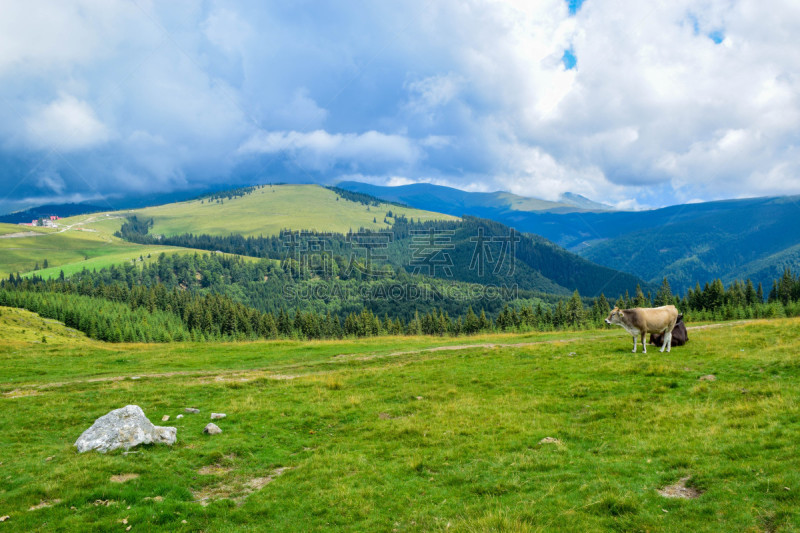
{"points": [[615, 316]]}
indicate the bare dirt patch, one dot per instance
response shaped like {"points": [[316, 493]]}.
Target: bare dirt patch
{"points": [[236, 489], [549, 440], [214, 470], [44, 503], [123, 478], [680, 490]]}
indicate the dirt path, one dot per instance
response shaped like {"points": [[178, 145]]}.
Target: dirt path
{"points": [[455, 347]]}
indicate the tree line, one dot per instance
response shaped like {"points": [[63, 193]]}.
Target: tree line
{"points": [[174, 299]]}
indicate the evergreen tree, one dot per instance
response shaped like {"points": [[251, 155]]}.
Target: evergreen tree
{"points": [[574, 311], [664, 294], [640, 300]]}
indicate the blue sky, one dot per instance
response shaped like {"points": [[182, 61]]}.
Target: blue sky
{"points": [[631, 103]]}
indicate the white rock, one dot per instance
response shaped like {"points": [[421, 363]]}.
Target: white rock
{"points": [[123, 428], [192, 410], [165, 418], [217, 416], [179, 416], [212, 429]]}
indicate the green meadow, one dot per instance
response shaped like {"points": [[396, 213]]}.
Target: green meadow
{"points": [[406, 434], [272, 208]]}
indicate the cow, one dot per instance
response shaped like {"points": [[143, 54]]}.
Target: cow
{"points": [[679, 335], [641, 321]]}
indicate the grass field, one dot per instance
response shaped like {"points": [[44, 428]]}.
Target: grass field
{"points": [[393, 434], [269, 210]]}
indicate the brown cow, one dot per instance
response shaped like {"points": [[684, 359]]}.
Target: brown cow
{"points": [[679, 334], [641, 321]]}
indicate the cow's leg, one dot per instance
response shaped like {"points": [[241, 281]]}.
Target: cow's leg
{"points": [[666, 337], [634, 344], [669, 343], [644, 344]]}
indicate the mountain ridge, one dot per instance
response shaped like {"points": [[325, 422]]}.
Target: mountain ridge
{"points": [[686, 243]]}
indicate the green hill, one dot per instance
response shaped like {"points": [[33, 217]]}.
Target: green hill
{"points": [[269, 209], [89, 241]]}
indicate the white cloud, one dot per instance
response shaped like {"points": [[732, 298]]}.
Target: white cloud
{"points": [[51, 182], [320, 150], [65, 124], [470, 94], [429, 94], [301, 112]]}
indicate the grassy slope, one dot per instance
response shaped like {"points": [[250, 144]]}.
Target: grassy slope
{"points": [[10, 229], [88, 245], [269, 210], [89, 241], [421, 441], [20, 254]]}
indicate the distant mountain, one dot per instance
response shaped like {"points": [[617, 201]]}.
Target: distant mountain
{"points": [[61, 210], [582, 202], [735, 239], [484, 204], [691, 243], [109, 204]]}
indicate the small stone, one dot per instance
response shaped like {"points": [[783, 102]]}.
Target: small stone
{"points": [[549, 440], [135, 377], [212, 429], [128, 528], [49, 458], [419, 397], [4, 518], [217, 416], [192, 410], [184, 522], [165, 418], [708, 377], [179, 416]]}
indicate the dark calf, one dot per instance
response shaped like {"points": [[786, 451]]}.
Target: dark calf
{"points": [[679, 334]]}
